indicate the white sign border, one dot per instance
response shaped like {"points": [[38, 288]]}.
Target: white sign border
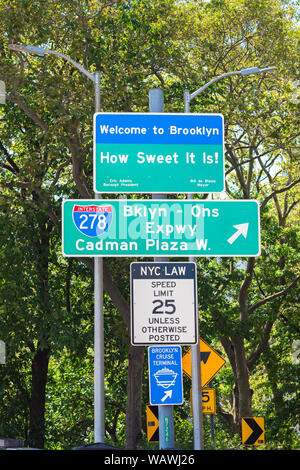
{"points": [[195, 309], [161, 255], [150, 383], [156, 192]]}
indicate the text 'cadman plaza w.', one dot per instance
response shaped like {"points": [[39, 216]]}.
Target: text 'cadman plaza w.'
{"points": [[165, 153]]}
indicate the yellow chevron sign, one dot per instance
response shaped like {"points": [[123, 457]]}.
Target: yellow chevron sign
{"points": [[210, 361], [253, 431], [152, 423]]}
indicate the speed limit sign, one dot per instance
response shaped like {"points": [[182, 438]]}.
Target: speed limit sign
{"points": [[163, 303]]}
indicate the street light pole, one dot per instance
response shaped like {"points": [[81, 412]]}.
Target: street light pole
{"points": [[165, 412], [195, 355], [99, 426], [195, 350]]}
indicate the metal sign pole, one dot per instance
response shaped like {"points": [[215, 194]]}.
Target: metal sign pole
{"points": [[99, 427], [195, 356], [165, 412]]}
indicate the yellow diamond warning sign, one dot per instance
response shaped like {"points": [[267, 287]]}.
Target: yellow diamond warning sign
{"points": [[211, 362]]}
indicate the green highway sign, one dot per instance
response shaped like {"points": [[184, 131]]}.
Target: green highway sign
{"points": [[158, 153], [169, 227]]}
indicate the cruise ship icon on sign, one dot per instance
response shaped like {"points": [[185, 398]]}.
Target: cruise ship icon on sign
{"points": [[165, 377]]}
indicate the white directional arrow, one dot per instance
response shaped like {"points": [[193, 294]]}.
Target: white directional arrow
{"points": [[168, 394], [242, 229]]}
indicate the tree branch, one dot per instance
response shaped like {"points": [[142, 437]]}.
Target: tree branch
{"points": [[28, 111], [59, 170], [278, 191], [232, 159], [13, 167], [244, 288], [74, 145], [274, 296], [261, 345]]}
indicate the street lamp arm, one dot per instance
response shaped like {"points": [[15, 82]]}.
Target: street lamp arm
{"points": [[78, 66], [40, 51], [196, 93], [248, 71]]}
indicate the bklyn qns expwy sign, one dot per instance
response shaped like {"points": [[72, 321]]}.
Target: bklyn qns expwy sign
{"points": [[164, 153], [160, 227]]}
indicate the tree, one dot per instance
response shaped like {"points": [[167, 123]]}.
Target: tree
{"points": [[56, 124], [260, 147]]}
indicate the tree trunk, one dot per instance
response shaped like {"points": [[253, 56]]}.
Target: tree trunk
{"points": [[134, 396], [135, 362], [38, 397], [242, 394]]}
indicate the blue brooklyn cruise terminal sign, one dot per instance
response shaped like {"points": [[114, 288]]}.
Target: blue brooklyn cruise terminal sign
{"points": [[165, 375], [164, 153]]}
